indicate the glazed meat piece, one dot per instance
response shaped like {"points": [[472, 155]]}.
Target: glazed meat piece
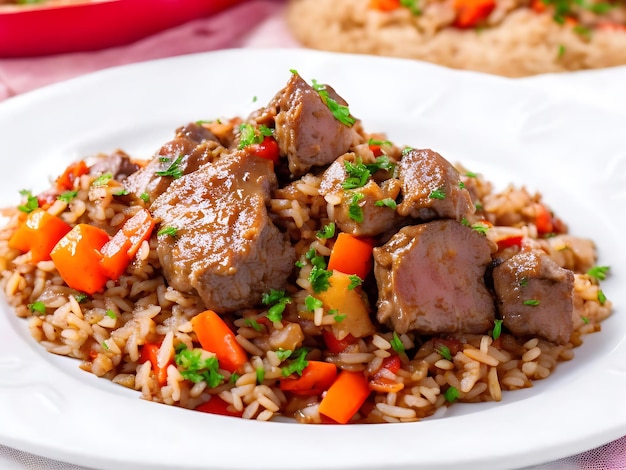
{"points": [[305, 128], [376, 219], [430, 187], [118, 164], [535, 296], [430, 279], [225, 246], [191, 148]]}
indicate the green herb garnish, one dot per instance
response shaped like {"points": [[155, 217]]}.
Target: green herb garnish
{"points": [[277, 301], [31, 203], [298, 364], [355, 281], [312, 303], [192, 366], [67, 196], [598, 272], [497, 329], [341, 112], [396, 343], [173, 170], [531, 302], [170, 231], [355, 212], [37, 307], [452, 394], [327, 231], [102, 180], [438, 194], [387, 202], [444, 351]]}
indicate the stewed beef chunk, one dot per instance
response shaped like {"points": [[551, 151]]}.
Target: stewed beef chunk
{"points": [[535, 296], [371, 217], [118, 164], [306, 129], [431, 187], [430, 279], [223, 244], [191, 148]]}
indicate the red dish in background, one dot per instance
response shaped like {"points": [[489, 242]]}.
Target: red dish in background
{"points": [[43, 29]]}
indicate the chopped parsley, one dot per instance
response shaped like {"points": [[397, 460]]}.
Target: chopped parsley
{"points": [[105, 345], [378, 142], [192, 366], [312, 303], [81, 297], [102, 180], [67, 196], [381, 163], [406, 151], [145, 197], [561, 51], [452, 394], [234, 377], [339, 317], [584, 319], [531, 302], [341, 112], [319, 275], [252, 323], [355, 211], [444, 351], [260, 375], [276, 300], [173, 170], [121, 192], [249, 135], [497, 329], [111, 314], [327, 231], [480, 228], [355, 281], [358, 174], [298, 364], [598, 272], [471, 174], [438, 194], [396, 343], [601, 297], [461, 185], [387, 202], [170, 231], [31, 203], [412, 6], [283, 354], [37, 307], [523, 282]]}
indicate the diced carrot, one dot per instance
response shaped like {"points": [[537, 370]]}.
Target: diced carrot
{"points": [[71, 174], [469, 13], [510, 241], [345, 396], [122, 248], [77, 258], [385, 5], [150, 352], [351, 255], [350, 303], [267, 149], [611, 26], [38, 234], [543, 219], [217, 406], [335, 345], [380, 382], [215, 336], [316, 377], [538, 6]]}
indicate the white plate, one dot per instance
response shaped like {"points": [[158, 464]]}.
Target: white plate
{"points": [[573, 153]]}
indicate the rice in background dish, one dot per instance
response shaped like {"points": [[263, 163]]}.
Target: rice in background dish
{"points": [[513, 38], [144, 324]]}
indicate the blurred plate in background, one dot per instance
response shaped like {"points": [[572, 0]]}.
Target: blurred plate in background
{"points": [[58, 27]]}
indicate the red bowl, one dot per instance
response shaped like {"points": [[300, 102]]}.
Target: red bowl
{"points": [[31, 30]]}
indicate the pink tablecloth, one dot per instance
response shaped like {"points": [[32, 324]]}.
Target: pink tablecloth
{"points": [[257, 23]]}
